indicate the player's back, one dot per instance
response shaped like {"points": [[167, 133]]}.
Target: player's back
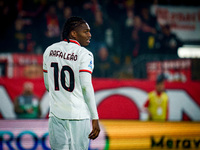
{"points": [[63, 62]]}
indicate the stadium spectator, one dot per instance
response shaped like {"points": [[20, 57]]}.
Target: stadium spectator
{"points": [[112, 10], [27, 105], [169, 42], [67, 13], [32, 11], [31, 8], [126, 70], [157, 103], [127, 26], [150, 28], [60, 6], [140, 37], [88, 10], [104, 65], [98, 35], [50, 27], [21, 36], [135, 36], [150, 23]]}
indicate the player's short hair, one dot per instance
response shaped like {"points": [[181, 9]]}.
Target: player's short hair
{"points": [[160, 78], [70, 25]]}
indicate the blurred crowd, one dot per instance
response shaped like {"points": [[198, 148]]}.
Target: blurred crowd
{"points": [[122, 30]]}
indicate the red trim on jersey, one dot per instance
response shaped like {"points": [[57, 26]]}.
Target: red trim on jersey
{"points": [[45, 71], [73, 41], [85, 71]]}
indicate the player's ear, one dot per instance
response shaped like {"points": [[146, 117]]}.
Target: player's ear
{"points": [[73, 34]]}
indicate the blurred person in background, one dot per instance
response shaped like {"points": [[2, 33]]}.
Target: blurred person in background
{"points": [[27, 105], [60, 5], [136, 41], [150, 27], [150, 23], [67, 13], [104, 65], [169, 42], [125, 71], [112, 10], [18, 36], [30, 9], [98, 35], [21, 36], [49, 27], [87, 10], [127, 26], [31, 12], [157, 103]]}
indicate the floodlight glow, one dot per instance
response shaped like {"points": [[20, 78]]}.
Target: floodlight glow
{"points": [[189, 51]]}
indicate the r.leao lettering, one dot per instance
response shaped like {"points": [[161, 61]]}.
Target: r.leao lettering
{"points": [[60, 54]]}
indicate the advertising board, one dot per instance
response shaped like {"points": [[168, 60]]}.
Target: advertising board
{"points": [[114, 135]]}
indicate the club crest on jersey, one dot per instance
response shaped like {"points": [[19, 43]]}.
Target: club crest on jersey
{"points": [[90, 65]]}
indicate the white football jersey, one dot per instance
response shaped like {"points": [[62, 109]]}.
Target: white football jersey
{"points": [[63, 61]]}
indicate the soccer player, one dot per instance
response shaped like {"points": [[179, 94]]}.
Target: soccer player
{"points": [[157, 103], [67, 75]]}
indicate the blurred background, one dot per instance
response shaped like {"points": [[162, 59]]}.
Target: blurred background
{"points": [[133, 42], [126, 34]]}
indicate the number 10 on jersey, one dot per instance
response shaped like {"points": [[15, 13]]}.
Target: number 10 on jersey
{"points": [[62, 77]]}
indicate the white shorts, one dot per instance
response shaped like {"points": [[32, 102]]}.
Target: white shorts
{"points": [[68, 134]]}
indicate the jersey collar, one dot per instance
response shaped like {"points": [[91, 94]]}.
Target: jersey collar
{"points": [[73, 41]]}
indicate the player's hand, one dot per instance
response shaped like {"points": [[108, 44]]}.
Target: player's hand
{"points": [[95, 130]]}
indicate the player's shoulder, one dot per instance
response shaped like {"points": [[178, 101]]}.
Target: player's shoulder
{"points": [[57, 44], [152, 93], [84, 52], [164, 93], [51, 46]]}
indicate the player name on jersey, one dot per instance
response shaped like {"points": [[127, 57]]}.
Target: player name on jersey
{"points": [[67, 56]]}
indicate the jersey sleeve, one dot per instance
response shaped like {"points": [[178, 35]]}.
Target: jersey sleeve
{"points": [[88, 93], [87, 63]]}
